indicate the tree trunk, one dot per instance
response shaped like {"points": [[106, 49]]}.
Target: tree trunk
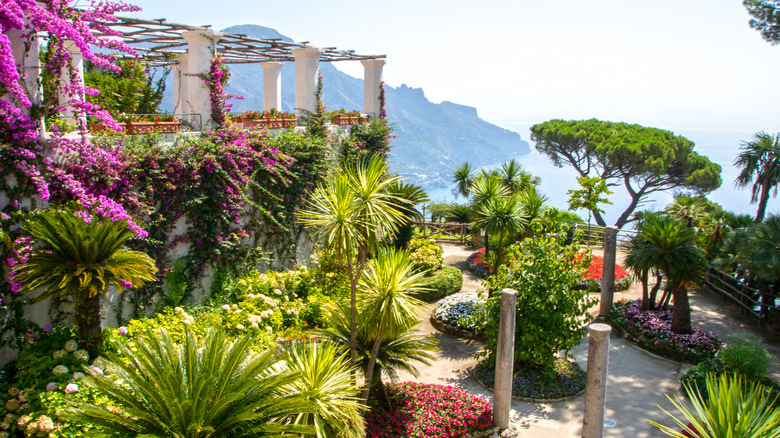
{"points": [[654, 292], [498, 252], [765, 186], [599, 219], [88, 324], [681, 311], [645, 292], [371, 364], [352, 315], [379, 393]]}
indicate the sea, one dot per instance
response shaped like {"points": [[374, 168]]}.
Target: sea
{"points": [[719, 145]]}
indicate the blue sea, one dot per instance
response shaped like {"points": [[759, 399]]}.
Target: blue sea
{"points": [[720, 146]]}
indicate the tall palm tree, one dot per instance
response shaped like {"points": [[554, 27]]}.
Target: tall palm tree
{"points": [[324, 381], [82, 255], [387, 291], [690, 209], [351, 211], [515, 177], [463, 177], [502, 215], [210, 388], [759, 161], [409, 196], [670, 246]]}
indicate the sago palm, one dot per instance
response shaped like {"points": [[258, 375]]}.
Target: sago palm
{"points": [[388, 288], [759, 161], [81, 254], [670, 246], [211, 388], [325, 382]]}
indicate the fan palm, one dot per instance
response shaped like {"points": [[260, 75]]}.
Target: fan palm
{"points": [[81, 255], [211, 388], [387, 291], [759, 161], [669, 246], [503, 215], [325, 382], [690, 209]]}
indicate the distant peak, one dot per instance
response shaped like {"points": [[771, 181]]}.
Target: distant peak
{"points": [[256, 31]]}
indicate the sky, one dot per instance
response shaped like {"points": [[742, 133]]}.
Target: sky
{"points": [[672, 64]]}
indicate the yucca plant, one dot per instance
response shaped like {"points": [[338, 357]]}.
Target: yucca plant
{"points": [[81, 254], [201, 388], [732, 408], [325, 382]]}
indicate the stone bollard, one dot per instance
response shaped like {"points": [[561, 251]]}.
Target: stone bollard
{"points": [[608, 273], [505, 357], [596, 384]]}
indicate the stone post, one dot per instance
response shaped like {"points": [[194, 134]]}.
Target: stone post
{"points": [[201, 45], [77, 63], [180, 89], [608, 273], [272, 87], [372, 78], [596, 383], [505, 357], [307, 66]]}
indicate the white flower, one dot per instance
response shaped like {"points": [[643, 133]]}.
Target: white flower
{"points": [[71, 346], [188, 321], [13, 392], [240, 327], [269, 329], [31, 428], [59, 354], [60, 369], [78, 375], [95, 370], [254, 325], [4, 426], [251, 296], [277, 292], [23, 420], [71, 388], [99, 363], [178, 309], [4, 435], [81, 355], [9, 419], [45, 424]]}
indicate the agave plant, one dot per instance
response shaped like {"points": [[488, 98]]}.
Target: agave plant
{"points": [[81, 255], [214, 388], [325, 381], [732, 408]]}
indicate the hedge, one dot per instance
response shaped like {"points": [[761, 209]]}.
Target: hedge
{"points": [[445, 281]]}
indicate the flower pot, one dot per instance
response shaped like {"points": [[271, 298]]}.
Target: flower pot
{"points": [[347, 120]]}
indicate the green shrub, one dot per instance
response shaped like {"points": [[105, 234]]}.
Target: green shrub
{"points": [[746, 356], [445, 281], [425, 255]]}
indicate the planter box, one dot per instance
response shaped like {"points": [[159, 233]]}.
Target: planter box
{"points": [[268, 123], [348, 120], [140, 127]]}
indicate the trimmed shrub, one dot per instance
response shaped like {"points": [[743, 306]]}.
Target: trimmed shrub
{"points": [[445, 281], [425, 254]]}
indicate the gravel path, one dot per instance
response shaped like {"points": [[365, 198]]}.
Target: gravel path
{"points": [[637, 381]]}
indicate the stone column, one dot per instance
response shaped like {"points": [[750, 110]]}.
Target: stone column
{"points": [[201, 45], [272, 87], [596, 384], [608, 273], [505, 358], [307, 65], [77, 63], [372, 78], [180, 84]]}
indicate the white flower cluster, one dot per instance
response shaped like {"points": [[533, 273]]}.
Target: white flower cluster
{"points": [[454, 308], [188, 319]]}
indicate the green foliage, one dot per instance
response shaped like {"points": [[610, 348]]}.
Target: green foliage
{"points": [[551, 314], [133, 90], [460, 213], [766, 18], [213, 387], [644, 160], [759, 163], [369, 139], [731, 408], [745, 355], [443, 282], [325, 382], [426, 255]]}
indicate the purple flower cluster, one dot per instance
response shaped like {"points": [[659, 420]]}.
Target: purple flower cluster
{"points": [[216, 80], [652, 330]]}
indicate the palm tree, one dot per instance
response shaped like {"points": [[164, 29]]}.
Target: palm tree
{"points": [[483, 189], [325, 382], [691, 209], [502, 215], [82, 255], [387, 299], [211, 388], [760, 163], [410, 196], [463, 177], [461, 213], [670, 246], [397, 352], [350, 211], [516, 178]]}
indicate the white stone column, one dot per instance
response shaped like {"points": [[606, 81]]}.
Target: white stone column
{"points": [[307, 65], [272, 87], [372, 79], [201, 45], [180, 84], [77, 63], [31, 64]]}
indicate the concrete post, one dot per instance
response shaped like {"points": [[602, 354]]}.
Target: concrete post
{"points": [[77, 63], [201, 45], [307, 65], [272, 87], [596, 383], [608, 273], [372, 78], [505, 358], [180, 89]]}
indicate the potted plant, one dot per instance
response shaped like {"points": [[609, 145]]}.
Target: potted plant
{"points": [[344, 117]]}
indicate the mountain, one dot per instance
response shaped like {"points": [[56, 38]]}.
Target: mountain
{"points": [[432, 138]]}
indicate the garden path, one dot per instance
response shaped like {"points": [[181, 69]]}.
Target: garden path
{"points": [[637, 381]]}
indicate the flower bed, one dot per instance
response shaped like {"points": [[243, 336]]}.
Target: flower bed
{"points": [[566, 379], [423, 411], [592, 279], [477, 265], [456, 310], [651, 330]]}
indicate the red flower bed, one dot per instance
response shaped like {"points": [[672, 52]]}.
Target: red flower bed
{"points": [[476, 263], [596, 270], [424, 411]]}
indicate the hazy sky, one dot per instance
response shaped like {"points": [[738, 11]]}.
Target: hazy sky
{"points": [[665, 63]]}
